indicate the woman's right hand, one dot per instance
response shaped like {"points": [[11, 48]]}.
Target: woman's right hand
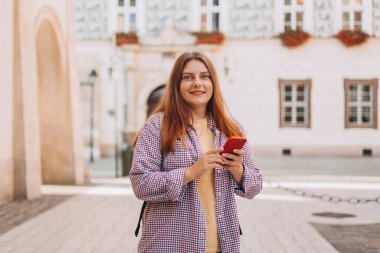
{"points": [[210, 160]]}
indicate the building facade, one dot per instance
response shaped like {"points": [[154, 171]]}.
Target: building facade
{"points": [[320, 98], [41, 141]]}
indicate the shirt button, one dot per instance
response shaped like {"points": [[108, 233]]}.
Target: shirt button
{"points": [[220, 216], [219, 194]]}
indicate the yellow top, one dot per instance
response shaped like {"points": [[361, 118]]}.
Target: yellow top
{"points": [[206, 188]]}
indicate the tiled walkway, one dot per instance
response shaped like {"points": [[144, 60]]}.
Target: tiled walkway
{"points": [[102, 218]]}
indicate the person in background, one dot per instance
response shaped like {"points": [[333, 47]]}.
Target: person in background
{"points": [[188, 186]]}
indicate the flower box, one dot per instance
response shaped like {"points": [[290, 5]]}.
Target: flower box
{"points": [[294, 38], [126, 38], [352, 38], [209, 37]]}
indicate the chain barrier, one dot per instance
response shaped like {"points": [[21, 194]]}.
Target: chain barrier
{"points": [[325, 197]]}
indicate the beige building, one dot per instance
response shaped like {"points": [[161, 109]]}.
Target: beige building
{"points": [[40, 130], [320, 98]]}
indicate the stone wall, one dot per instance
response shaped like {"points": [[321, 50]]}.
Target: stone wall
{"points": [[251, 18], [91, 20], [37, 82], [323, 18], [6, 79]]}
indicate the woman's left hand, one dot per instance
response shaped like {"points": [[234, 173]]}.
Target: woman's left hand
{"points": [[234, 164]]}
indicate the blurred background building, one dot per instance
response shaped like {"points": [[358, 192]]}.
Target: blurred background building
{"points": [[294, 95], [319, 98], [40, 130]]}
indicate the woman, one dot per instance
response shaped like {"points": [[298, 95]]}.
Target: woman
{"points": [[178, 170]]}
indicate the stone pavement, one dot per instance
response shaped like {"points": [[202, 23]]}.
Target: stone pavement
{"points": [[102, 218], [17, 212], [366, 237]]}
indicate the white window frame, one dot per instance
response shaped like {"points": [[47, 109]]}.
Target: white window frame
{"points": [[127, 11], [209, 10], [120, 18], [308, 15], [351, 8], [293, 9], [306, 104], [358, 104], [366, 8]]}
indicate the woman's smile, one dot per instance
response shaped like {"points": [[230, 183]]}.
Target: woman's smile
{"points": [[197, 92]]}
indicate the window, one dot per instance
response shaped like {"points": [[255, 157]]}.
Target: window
{"points": [[295, 103], [203, 22], [128, 11], [120, 23], [293, 14], [352, 14], [132, 22], [360, 103], [121, 2], [210, 15]]}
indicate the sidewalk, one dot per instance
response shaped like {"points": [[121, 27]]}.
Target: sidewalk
{"points": [[102, 218]]}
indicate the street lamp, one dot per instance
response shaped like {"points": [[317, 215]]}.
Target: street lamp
{"points": [[111, 71], [92, 79]]}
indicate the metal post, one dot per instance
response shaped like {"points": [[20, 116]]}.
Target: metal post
{"points": [[116, 131], [111, 72], [92, 123], [91, 82], [113, 59]]}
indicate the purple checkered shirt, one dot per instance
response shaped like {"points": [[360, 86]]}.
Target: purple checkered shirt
{"points": [[174, 220]]}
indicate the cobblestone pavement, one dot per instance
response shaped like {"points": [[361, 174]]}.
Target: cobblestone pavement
{"points": [[102, 218], [352, 238], [17, 212]]}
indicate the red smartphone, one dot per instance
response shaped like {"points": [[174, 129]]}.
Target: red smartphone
{"points": [[232, 143]]}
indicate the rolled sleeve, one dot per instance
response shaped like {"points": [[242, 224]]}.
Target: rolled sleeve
{"points": [[252, 179], [150, 182], [239, 189], [251, 184], [175, 184]]}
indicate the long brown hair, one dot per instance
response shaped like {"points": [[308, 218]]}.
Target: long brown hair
{"points": [[177, 116]]}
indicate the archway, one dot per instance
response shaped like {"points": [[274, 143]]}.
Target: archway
{"points": [[54, 108], [154, 98], [141, 105]]}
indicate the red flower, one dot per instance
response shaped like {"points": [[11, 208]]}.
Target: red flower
{"points": [[351, 38], [294, 38], [126, 38], [209, 37]]}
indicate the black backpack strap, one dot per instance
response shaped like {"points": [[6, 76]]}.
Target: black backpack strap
{"points": [[241, 232], [141, 215]]}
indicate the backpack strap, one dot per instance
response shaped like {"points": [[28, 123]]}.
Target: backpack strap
{"points": [[144, 204], [141, 215]]}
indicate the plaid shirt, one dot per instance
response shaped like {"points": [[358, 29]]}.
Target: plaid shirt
{"points": [[174, 220]]}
